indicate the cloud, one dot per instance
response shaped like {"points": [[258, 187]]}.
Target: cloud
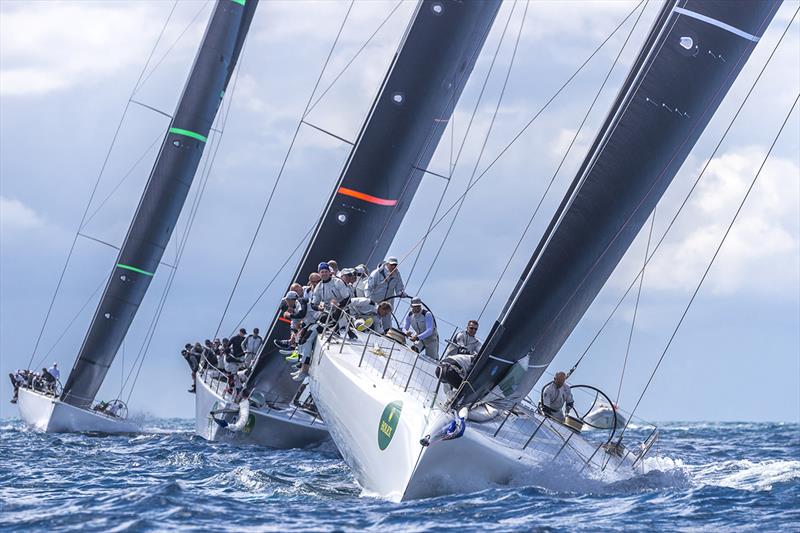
{"points": [[49, 46], [761, 253], [16, 217]]}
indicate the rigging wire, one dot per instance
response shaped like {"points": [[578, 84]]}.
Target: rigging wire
{"points": [[636, 306], [483, 147], [141, 82], [516, 137], [352, 59], [277, 273], [103, 202], [713, 258], [71, 322], [453, 164], [689, 194], [282, 167], [221, 120], [561, 163], [96, 184]]}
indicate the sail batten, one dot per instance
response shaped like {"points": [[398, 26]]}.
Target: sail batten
{"points": [[163, 198], [385, 167], [678, 80]]}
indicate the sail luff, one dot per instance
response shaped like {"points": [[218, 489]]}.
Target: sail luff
{"points": [[163, 198], [686, 73], [397, 140]]}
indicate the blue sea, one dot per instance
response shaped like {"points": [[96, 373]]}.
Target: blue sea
{"points": [[702, 477]]}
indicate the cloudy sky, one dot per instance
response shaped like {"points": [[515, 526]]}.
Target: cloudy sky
{"points": [[69, 69]]}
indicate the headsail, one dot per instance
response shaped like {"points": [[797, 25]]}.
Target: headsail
{"points": [[691, 58], [163, 198], [395, 145]]}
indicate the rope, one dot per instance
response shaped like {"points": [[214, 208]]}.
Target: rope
{"points": [[483, 148], [280, 171], [560, 165], [708, 268], [94, 188], [636, 306], [523, 129], [689, 194], [453, 165]]}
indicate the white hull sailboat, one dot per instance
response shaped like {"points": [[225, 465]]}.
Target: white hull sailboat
{"points": [[412, 109], [47, 413], [406, 438], [74, 409], [380, 400], [218, 417]]}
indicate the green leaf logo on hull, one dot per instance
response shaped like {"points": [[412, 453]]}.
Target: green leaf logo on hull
{"points": [[388, 423]]}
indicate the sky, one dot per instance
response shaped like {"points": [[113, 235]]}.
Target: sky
{"points": [[71, 74]]}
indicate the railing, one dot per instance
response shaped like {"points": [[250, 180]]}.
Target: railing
{"points": [[390, 360], [46, 388], [523, 426], [217, 381]]}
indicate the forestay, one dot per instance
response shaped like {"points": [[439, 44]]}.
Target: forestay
{"points": [[394, 147], [163, 198], [691, 57]]}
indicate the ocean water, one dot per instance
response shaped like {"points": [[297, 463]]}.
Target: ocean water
{"points": [[701, 477]]}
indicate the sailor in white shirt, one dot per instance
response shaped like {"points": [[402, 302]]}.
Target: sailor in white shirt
{"points": [[329, 290], [54, 371], [556, 395]]}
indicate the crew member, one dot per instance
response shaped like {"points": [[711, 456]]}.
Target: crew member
{"points": [[420, 327], [458, 359], [385, 282], [369, 315], [54, 371], [555, 396], [236, 342], [251, 345], [465, 342]]}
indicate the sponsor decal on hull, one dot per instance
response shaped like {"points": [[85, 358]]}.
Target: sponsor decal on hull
{"points": [[388, 423]]}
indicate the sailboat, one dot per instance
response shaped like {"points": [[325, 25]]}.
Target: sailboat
{"points": [[401, 433], [380, 178], [73, 409]]}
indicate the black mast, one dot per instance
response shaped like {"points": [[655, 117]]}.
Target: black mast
{"points": [[163, 198], [690, 60], [395, 145]]}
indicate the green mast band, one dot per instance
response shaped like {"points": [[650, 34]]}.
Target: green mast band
{"points": [[240, 2], [188, 133], [134, 269]]}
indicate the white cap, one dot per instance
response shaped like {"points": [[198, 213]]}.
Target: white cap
{"points": [[291, 295], [391, 260]]}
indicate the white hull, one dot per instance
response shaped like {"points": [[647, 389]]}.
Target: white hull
{"points": [[355, 403], [282, 428], [49, 414]]}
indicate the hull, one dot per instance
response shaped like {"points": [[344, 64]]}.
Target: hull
{"points": [[51, 415], [378, 408], [274, 427]]}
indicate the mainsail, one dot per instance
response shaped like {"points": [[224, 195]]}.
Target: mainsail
{"points": [[692, 56], [163, 198], [395, 145]]}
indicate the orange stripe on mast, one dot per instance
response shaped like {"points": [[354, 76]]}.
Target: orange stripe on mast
{"points": [[366, 197]]}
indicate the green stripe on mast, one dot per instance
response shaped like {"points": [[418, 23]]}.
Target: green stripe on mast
{"points": [[188, 133], [240, 2], [134, 269]]}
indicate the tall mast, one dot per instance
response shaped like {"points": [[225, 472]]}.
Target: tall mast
{"points": [[395, 145], [163, 198], [689, 62]]}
